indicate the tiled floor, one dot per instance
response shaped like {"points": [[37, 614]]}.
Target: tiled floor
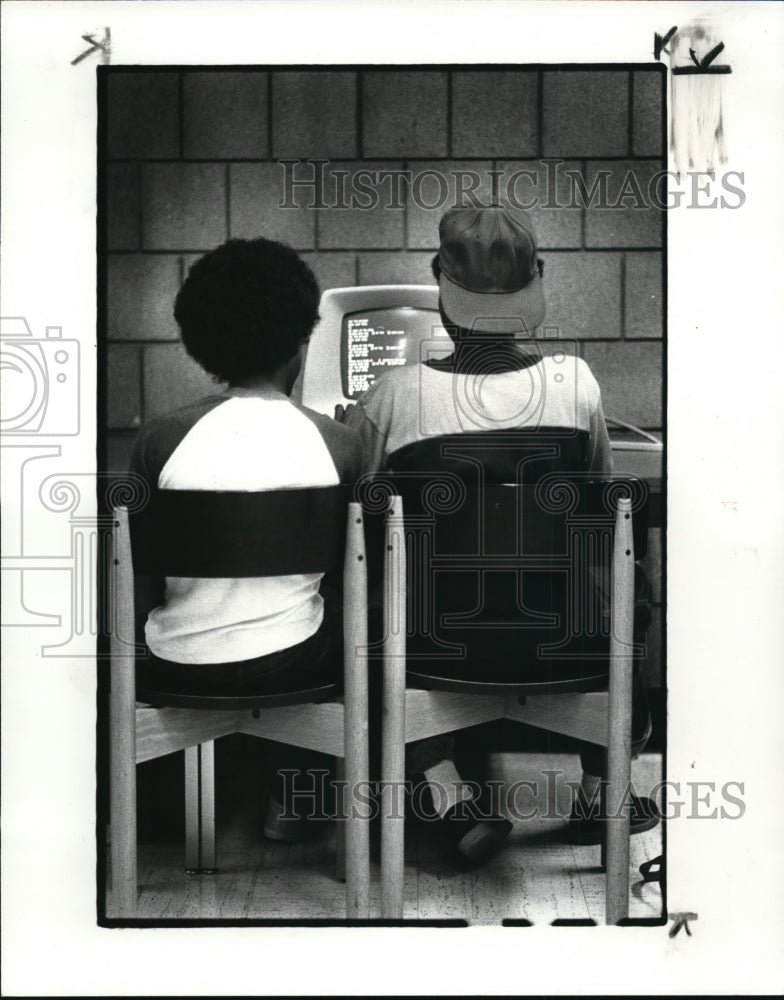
{"points": [[538, 876]]}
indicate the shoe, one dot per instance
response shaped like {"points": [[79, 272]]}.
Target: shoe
{"points": [[473, 841], [281, 827], [588, 825]]}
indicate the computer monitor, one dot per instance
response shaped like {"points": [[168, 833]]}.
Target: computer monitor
{"points": [[363, 333]]}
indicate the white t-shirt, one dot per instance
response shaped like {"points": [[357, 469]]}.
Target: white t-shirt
{"points": [[421, 403], [240, 440]]}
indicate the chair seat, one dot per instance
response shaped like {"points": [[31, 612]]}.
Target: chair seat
{"points": [[509, 664], [432, 682], [175, 699]]}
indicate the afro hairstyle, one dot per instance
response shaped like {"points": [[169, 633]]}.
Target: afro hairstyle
{"points": [[246, 308]]}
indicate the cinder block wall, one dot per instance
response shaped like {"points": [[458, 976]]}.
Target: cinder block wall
{"points": [[193, 158]]}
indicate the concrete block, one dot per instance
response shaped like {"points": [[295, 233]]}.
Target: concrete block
{"points": [[257, 194], [648, 111], [225, 115], [401, 268], [442, 184], [583, 294], [545, 192], [122, 206], [630, 377], [123, 386], [585, 113], [142, 115], [172, 379], [362, 183], [404, 113], [622, 212], [333, 269], [644, 295], [495, 113], [314, 114], [141, 289], [183, 206], [553, 342]]}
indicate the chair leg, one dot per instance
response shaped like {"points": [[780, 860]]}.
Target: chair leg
{"points": [[122, 725], [393, 810], [122, 819], [354, 767], [394, 719], [200, 809], [340, 822], [616, 852], [619, 757]]}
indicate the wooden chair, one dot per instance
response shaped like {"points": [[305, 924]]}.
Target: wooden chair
{"points": [[558, 526], [202, 534]]}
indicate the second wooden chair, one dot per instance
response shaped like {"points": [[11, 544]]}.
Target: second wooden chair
{"points": [[557, 527]]}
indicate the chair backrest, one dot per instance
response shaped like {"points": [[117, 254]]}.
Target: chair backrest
{"points": [[506, 574], [195, 533], [520, 455], [511, 520], [206, 534], [516, 522]]}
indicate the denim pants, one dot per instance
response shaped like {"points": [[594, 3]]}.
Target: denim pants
{"points": [[426, 753]]}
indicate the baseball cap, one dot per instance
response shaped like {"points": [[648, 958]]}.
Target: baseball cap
{"points": [[489, 275]]}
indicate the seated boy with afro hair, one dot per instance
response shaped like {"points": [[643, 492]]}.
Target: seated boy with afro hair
{"points": [[245, 311]]}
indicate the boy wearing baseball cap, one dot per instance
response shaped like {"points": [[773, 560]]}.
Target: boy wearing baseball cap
{"points": [[517, 408], [498, 378]]}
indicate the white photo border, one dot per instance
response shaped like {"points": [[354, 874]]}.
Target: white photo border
{"points": [[724, 527]]}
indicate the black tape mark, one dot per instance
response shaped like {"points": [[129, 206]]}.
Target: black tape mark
{"points": [[699, 70], [702, 65], [659, 42], [708, 58], [681, 920], [104, 47]]}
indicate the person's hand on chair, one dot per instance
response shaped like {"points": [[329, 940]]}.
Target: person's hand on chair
{"points": [[342, 412]]}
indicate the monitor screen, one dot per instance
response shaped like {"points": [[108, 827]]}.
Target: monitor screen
{"points": [[375, 340]]}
